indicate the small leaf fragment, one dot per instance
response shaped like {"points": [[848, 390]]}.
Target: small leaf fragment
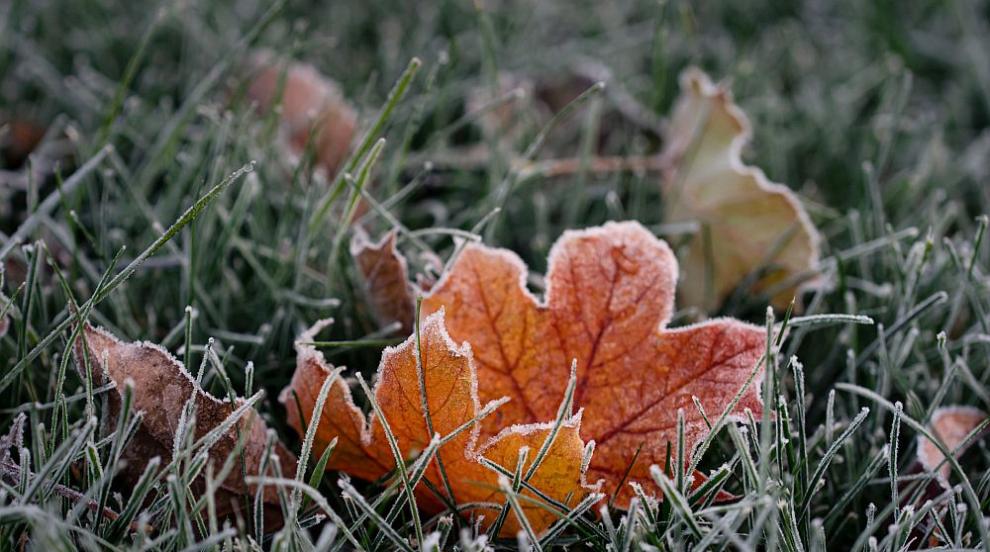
{"points": [[951, 425], [386, 279]]}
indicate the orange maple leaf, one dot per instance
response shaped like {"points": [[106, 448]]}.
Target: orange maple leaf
{"points": [[610, 294], [445, 379], [751, 227]]}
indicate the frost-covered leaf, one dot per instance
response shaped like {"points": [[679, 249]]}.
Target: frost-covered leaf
{"points": [[451, 392], [311, 106], [610, 295], [950, 425], [162, 387], [386, 279], [750, 228]]}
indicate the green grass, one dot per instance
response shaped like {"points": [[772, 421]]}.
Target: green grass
{"points": [[172, 196]]}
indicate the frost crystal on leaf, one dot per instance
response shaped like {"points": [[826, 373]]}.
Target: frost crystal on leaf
{"points": [[450, 391], [161, 388], [610, 295], [386, 281]]}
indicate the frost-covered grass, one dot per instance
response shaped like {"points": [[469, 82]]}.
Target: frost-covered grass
{"points": [[172, 196]]}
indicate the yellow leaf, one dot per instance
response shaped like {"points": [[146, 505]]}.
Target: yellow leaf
{"points": [[750, 229]]}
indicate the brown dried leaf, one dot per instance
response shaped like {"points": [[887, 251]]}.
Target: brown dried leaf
{"points": [[312, 106], [386, 279], [162, 386], [18, 139]]}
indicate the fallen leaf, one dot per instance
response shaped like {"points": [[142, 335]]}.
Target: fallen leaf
{"points": [[162, 386], [951, 425], [18, 138], [750, 227], [386, 279], [312, 106], [450, 386], [610, 295]]}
